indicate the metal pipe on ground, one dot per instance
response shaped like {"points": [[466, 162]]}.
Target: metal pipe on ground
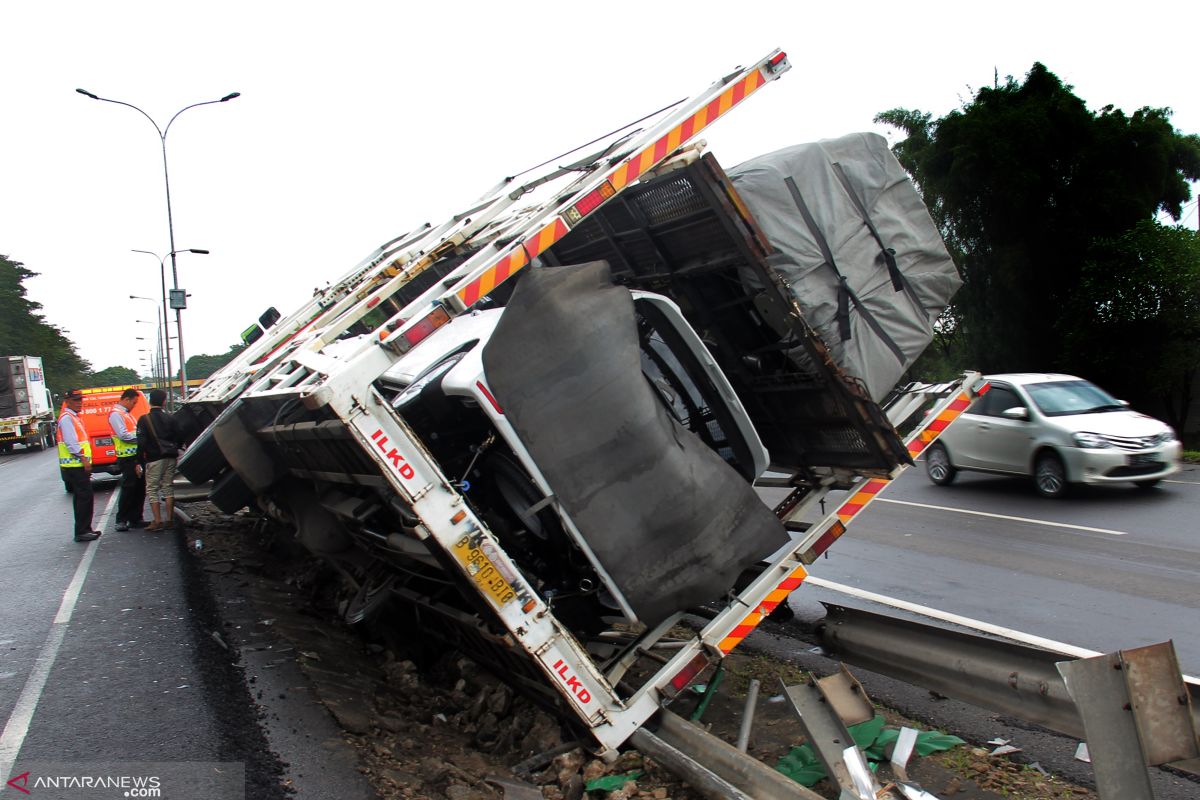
{"points": [[743, 741]]}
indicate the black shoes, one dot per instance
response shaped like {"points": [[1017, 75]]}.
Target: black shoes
{"points": [[139, 523], [90, 536], [122, 526]]}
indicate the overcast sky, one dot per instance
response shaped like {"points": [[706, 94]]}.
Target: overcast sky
{"points": [[359, 121]]}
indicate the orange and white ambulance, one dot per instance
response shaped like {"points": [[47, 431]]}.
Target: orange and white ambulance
{"points": [[97, 405]]}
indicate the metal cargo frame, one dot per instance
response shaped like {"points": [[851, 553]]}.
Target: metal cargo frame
{"points": [[470, 257]]}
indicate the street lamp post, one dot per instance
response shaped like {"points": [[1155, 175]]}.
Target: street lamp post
{"points": [[162, 276], [160, 332], [162, 135], [155, 365], [163, 375]]}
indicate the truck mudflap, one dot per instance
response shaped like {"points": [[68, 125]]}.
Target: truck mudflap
{"points": [[671, 522]]}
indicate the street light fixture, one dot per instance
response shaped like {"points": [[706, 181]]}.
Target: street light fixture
{"points": [[159, 331], [162, 135], [162, 275], [157, 370]]}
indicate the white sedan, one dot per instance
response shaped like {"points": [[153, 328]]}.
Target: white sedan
{"points": [[1058, 429]]}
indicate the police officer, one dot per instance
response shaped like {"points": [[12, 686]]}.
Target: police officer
{"points": [[75, 462], [133, 485]]}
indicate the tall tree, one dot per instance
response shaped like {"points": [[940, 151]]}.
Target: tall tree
{"points": [[112, 376], [1022, 180], [1136, 316], [202, 366], [23, 330]]}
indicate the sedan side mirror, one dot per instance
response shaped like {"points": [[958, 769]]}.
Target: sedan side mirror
{"points": [[1016, 412]]}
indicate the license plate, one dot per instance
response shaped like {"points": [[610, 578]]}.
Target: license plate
{"points": [[104, 441], [8, 428], [483, 571], [1144, 461]]}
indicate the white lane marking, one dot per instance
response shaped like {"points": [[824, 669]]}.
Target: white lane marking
{"points": [[966, 622], [17, 726], [1004, 516], [1186, 483]]}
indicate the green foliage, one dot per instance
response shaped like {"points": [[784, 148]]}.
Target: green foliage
{"points": [[1135, 317], [1022, 180], [873, 737], [111, 376], [23, 331], [202, 366]]}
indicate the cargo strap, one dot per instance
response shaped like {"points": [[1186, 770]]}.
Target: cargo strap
{"points": [[899, 282], [846, 295]]}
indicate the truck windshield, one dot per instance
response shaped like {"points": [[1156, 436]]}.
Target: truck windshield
{"points": [[1061, 398]]}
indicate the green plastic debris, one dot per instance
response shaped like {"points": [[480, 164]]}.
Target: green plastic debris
{"points": [[802, 766], [610, 783], [933, 742], [865, 733], [873, 738]]}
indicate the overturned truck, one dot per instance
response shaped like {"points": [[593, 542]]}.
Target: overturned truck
{"points": [[541, 425]]}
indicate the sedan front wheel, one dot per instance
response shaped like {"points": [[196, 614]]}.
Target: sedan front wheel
{"points": [[938, 466], [1050, 476]]}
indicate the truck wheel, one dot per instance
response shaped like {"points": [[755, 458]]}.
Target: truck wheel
{"points": [[937, 465], [1050, 476], [230, 494], [203, 461]]}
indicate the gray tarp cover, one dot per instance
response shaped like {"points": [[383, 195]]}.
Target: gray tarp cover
{"points": [[671, 522], [833, 209]]}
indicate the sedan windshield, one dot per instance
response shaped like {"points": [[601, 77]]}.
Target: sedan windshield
{"points": [[1060, 398]]}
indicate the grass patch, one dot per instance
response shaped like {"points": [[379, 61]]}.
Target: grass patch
{"points": [[769, 671]]}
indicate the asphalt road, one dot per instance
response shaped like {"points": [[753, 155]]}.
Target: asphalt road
{"points": [[100, 662], [1103, 569], [105, 657]]}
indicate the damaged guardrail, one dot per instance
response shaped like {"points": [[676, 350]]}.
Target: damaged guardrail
{"points": [[1157, 704]]}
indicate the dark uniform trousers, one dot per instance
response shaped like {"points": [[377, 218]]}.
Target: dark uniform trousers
{"points": [[133, 491], [80, 482]]}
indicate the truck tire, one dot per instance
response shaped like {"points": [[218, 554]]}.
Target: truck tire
{"points": [[230, 494], [203, 461], [245, 454]]}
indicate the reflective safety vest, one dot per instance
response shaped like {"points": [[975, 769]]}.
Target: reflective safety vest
{"points": [[65, 457], [124, 449]]}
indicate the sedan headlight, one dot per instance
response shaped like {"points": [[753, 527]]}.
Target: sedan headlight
{"points": [[1090, 441], [1166, 436]]}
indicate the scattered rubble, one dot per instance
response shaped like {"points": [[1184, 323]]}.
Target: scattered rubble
{"points": [[427, 727]]}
